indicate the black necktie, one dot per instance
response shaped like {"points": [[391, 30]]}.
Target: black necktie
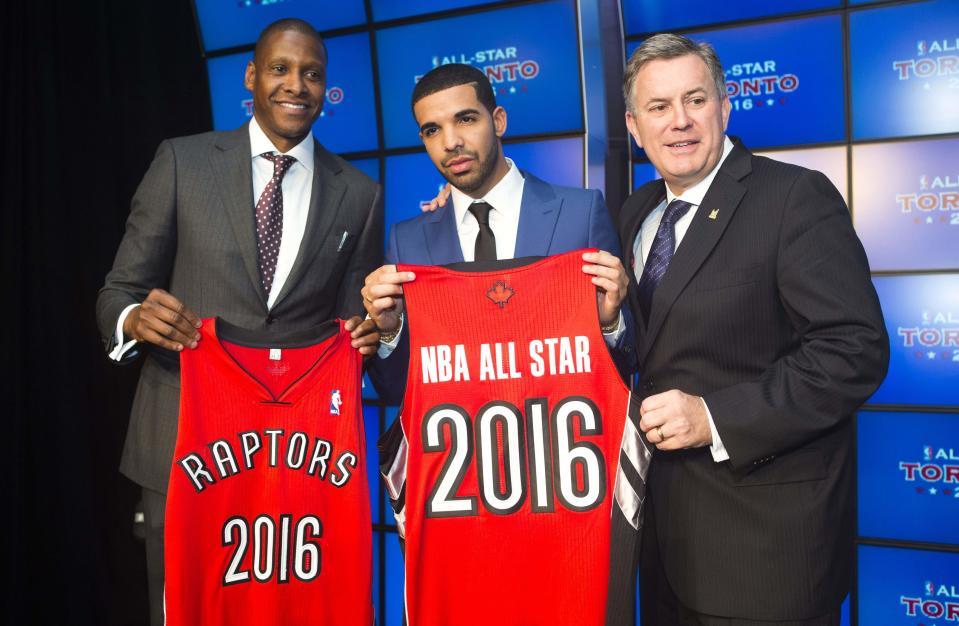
{"points": [[660, 254], [485, 248]]}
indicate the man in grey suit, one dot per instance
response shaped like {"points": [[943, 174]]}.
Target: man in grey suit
{"points": [[261, 226]]}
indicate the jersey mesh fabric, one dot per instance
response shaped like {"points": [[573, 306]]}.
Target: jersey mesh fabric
{"points": [[267, 517], [505, 482]]}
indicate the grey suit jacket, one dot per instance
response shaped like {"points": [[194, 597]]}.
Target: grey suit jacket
{"points": [[191, 231]]}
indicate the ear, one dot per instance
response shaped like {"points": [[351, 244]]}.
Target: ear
{"points": [[727, 107], [250, 75], [633, 128], [499, 121]]}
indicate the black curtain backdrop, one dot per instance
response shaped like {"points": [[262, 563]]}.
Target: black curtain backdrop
{"points": [[89, 90]]}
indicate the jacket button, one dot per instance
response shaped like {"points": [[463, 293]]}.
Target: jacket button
{"points": [[270, 319]]}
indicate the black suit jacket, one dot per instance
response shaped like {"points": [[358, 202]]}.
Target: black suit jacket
{"points": [[767, 311], [191, 231]]}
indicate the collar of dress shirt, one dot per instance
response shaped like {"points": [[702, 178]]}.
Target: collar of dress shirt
{"points": [[260, 143], [695, 194], [506, 197]]}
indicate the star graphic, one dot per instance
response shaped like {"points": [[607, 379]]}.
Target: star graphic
{"points": [[919, 489], [932, 490], [512, 89], [927, 86], [931, 355], [947, 492], [322, 113], [918, 220], [929, 220], [770, 102]]}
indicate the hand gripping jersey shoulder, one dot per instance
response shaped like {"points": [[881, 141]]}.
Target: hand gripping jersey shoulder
{"points": [[267, 516], [516, 466]]}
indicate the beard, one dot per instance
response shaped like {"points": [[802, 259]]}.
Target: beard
{"points": [[476, 179]]}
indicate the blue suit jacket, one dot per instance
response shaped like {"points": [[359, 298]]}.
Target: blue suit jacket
{"points": [[552, 220]]}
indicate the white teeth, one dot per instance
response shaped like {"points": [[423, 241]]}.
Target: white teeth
{"points": [[292, 106], [681, 145]]}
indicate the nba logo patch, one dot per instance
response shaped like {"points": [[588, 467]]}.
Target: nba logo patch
{"points": [[335, 402]]}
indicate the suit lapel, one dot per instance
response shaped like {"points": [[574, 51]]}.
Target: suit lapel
{"points": [[233, 172], [631, 227], [721, 201], [539, 210], [442, 239], [326, 197]]}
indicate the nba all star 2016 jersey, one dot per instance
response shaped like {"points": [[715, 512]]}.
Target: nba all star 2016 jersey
{"points": [[267, 515], [516, 466]]}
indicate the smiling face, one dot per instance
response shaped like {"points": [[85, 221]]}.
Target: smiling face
{"points": [[678, 119], [288, 81], [462, 138]]}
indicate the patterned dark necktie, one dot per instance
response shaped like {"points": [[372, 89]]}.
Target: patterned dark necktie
{"points": [[660, 254], [485, 248], [269, 218]]}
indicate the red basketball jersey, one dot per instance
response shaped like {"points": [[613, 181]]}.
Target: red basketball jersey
{"points": [[267, 515], [516, 465]]}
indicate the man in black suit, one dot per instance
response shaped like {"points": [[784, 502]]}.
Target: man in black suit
{"points": [[758, 335], [261, 226]]}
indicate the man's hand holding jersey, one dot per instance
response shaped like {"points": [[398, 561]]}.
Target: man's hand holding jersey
{"points": [[383, 297]]}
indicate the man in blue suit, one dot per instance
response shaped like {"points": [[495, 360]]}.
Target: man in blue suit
{"points": [[497, 212]]}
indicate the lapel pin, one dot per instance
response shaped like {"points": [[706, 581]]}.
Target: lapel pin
{"points": [[714, 214]]}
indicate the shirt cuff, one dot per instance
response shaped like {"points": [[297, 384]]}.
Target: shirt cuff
{"points": [[386, 348], [121, 348], [612, 338], [718, 450]]}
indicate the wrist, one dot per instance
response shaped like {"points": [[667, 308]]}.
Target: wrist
{"points": [[390, 336]]}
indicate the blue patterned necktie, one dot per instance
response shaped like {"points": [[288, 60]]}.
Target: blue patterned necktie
{"points": [[660, 254]]}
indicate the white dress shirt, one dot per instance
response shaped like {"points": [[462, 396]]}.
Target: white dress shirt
{"points": [[644, 241], [297, 188], [506, 198]]}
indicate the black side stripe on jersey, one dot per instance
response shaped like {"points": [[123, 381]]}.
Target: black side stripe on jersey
{"points": [[634, 459], [394, 453]]}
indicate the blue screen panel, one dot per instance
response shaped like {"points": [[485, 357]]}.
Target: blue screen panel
{"points": [[536, 78], [348, 120], [412, 181], [831, 161], [388, 517], [908, 467], [647, 16], [371, 423], [782, 90], [901, 587], [905, 70], [557, 161], [377, 539], [370, 167], [643, 173], [392, 9], [907, 203], [369, 391], [229, 23], [922, 319], [393, 611], [232, 103]]}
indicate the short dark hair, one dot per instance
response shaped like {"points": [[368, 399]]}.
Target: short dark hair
{"points": [[454, 75], [283, 25]]}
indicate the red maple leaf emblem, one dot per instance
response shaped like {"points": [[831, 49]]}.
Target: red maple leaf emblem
{"points": [[500, 293]]}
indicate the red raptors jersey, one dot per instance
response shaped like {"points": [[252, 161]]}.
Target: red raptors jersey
{"points": [[516, 466], [267, 515]]}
